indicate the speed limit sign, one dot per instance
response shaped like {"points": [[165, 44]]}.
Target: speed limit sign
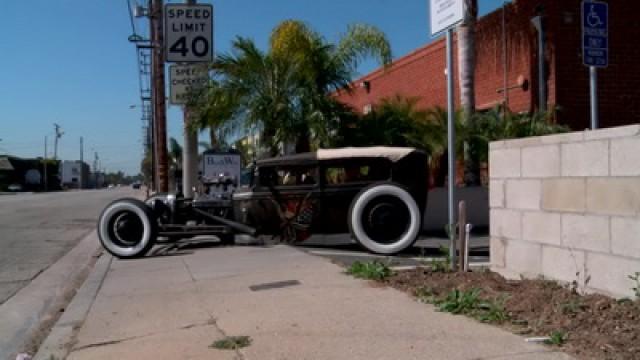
{"points": [[188, 33]]}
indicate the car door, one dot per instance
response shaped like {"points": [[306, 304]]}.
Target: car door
{"points": [[342, 181]]}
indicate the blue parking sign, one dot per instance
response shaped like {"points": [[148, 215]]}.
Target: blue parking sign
{"points": [[595, 33]]}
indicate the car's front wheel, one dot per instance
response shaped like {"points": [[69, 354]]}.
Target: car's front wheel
{"points": [[384, 218], [127, 228]]}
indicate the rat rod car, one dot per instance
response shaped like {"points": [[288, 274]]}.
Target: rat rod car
{"points": [[377, 194]]}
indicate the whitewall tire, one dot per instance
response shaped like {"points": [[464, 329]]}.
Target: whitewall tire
{"points": [[385, 219], [127, 228]]}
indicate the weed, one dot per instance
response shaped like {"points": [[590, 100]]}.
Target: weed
{"points": [[492, 311], [636, 289], [572, 307], [469, 303], [557, 338], [371, 270], [460, 302], [231, 343], [425, 295], [441, 265]]}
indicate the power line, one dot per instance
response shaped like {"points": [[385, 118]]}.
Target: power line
{"points": [[133, 25]]}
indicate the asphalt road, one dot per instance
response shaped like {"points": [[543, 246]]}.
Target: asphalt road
{"points": [[38, 229]]}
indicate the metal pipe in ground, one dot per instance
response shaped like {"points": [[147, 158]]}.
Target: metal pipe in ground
{"points": [[467, 231], [462, 221]]}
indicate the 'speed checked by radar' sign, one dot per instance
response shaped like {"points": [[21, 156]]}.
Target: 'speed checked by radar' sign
{"points": [[188, 32]]}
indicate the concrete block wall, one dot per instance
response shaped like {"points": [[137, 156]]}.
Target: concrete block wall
{"points": [[567, 207]]}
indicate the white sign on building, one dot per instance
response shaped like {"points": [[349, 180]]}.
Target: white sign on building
{"points": [[188, 32], [221, 164], [445, 14], [183, 79]]}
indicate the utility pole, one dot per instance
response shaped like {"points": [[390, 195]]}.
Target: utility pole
{"points": [[95, 167], [46, 179], [80, 186], [190, 153], [58, 135], [158, 91]]}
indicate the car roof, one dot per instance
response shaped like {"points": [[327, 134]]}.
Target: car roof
{"points": [[393, 154]]}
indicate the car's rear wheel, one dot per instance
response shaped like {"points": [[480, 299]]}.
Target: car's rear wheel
{"points": [[384, 219], [127, 228]]}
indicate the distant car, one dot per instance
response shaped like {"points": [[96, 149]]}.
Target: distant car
{"points": [[377, 194], [111, 186], [136, 185], [15, 187]]}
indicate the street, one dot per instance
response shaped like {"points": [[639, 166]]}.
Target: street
{"points": [[38, 229]]}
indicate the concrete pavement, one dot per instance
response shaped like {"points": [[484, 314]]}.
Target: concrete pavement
{"points": [[292, 304], [36, 230], [43, 260]]}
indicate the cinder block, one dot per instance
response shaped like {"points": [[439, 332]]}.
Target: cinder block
{"points": [[497, 252], [563, 138], [505, 223], [563, 264], [613, 196], [625, 237], [542, 227], [495, 145], [610, 274], [614, 132], [523, 194], [586, 232], [496, 193], [524, 258], [564, 194], [625, 157], [523, 142], [585, 159], [504, 163], [541, 161]]}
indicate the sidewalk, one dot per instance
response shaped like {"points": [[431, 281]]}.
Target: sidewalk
{"points": [[174, 307]]}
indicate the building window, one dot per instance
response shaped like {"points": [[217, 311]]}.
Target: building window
{"points": [[367, 109]]}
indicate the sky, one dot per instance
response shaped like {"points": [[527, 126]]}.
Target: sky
{"points": [[69, 62]]}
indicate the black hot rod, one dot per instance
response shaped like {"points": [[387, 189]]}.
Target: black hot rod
{"points": [[377, 194]]}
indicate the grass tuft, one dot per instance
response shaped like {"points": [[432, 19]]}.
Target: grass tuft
{"points": [[231, 343], [371, 270], [557, 338]]}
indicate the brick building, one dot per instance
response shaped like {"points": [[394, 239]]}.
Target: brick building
{"points": [[421, 73]]}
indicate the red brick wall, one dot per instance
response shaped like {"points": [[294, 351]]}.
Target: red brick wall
{"points": [[421, 73], [619, 84]]}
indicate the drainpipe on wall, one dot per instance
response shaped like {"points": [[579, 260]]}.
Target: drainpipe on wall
{"points": [[542, 86]]}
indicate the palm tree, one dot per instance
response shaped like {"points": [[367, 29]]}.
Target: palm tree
{"points": [[285, 91], [175, 154], [212, 109], [325, 67]]}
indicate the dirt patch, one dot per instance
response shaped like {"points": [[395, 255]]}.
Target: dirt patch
{"points": [[587, 327]]}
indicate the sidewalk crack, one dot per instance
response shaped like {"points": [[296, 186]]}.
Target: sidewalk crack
{"points": [[193, 279]]}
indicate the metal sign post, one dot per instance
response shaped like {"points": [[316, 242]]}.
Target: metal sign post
{"points": [[595, 47], [445, 15], [189, 39]]}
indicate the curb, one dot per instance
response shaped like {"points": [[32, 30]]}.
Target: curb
{"points": [[60, 340], [27, 315]]}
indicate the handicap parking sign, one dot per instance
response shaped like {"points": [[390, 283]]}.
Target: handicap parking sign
{"points": [[595, 33]]}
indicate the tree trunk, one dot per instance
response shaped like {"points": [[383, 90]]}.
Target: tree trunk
{"points": [[302, 144], [467, 69], [467, 58], [213, 138]]}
